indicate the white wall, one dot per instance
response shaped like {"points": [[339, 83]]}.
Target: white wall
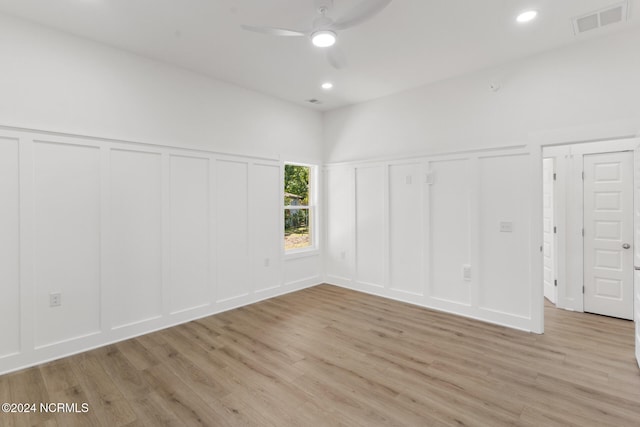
{"points": [[582, 92], [145, 194], [406, 229], [57, 82], [587, 84]]}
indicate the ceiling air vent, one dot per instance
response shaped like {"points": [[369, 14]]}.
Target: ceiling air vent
{"points": [[600, 18], [314, 101]]}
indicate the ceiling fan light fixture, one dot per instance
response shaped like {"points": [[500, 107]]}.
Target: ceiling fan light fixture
{"points": [[527, 16], [323, 38]]}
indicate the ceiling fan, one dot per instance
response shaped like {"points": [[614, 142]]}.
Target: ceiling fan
{"points": [[323, 31]]}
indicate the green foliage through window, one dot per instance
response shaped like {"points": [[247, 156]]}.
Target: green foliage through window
{"points": [[296, 185], [297, 212]]}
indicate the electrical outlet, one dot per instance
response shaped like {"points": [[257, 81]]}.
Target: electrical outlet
{"points": [[343, 255], [267, 261], [466, 272], [55, 299], [430, 178]]}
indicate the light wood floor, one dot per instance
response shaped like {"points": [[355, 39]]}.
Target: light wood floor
{"points": [[327, 357]]}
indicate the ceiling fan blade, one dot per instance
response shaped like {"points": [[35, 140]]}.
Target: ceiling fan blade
{"points": [[362, 12], [274, 31], [336, 57]]}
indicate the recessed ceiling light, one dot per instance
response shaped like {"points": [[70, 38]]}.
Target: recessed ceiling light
{"points": [[323, 38], [527, 16], [327, 85]]}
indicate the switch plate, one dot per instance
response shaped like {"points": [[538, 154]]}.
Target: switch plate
{"points": [[506, 227], [55, 299]]}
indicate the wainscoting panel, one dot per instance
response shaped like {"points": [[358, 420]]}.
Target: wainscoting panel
{"points": [[190, 218], [339, 185], [370, 226], [299, 271], [66, 218], [450, 230], [405, 228], [234, 278], [504, 224], [135, 236], [9, 246], [266, 211]]}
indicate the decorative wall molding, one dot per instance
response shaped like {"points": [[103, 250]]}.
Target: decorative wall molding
{"points": [[134, 237], [440, 214]]}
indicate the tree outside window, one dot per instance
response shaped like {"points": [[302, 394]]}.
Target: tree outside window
{"points": [[298, 210]]}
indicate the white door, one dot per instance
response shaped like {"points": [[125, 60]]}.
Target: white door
{"points": [[608, 234], [549, 275]]}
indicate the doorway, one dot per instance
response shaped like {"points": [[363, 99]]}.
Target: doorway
{"points": [[588, 214]]}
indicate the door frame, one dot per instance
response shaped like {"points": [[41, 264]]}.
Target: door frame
{"points": [[570, 243], [552, 295]]}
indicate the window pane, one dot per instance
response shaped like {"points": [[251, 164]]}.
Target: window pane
{"points": [[296, 185], [296, 229]]}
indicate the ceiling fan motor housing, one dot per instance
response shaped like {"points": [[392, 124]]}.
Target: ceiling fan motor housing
{"points": [[324, 31], [322, 6]]}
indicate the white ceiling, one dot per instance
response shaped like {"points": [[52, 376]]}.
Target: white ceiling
{"points": [[410, 43]]}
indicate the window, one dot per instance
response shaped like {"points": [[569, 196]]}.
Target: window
{"points": [[298, 207]]}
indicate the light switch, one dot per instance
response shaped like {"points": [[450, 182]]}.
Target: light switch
{"points": [[506, 227], [408, 180]]}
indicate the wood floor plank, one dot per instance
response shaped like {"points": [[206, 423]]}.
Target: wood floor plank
{"points": [[267, 401], [181, 400], [327, 356], [152, 410], [29, 387], [210, 381], [75, 418], [124, 375], [137, 354], [353, 406], [7, 419], [105, 398], [58, 375]]}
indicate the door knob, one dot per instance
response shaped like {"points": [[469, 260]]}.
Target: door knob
{"points": [[626, 246]]}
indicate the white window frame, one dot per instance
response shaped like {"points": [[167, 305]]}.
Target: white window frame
{"points": [[311, 207]]}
